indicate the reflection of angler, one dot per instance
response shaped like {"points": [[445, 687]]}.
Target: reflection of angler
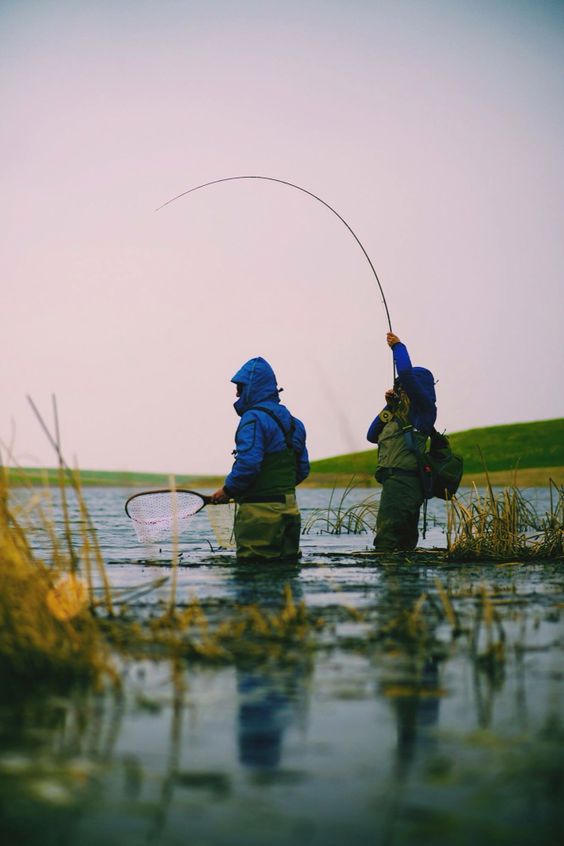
{"points": [[416, 713], [272, 693], [264, 714], [412, 683]]}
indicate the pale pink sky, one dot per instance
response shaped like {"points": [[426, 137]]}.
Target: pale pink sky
{"points": [[434, 128]]}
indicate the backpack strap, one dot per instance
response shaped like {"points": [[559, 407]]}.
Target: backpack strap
{"points": [[408, 433], [288, 435], [425, 474]]}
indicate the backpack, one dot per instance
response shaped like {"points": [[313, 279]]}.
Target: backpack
{"points": [[440, 468], [445, 467]]}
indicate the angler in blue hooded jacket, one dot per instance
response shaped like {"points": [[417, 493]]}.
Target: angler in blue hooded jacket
{"points": [[401, 431], [271, 459]]}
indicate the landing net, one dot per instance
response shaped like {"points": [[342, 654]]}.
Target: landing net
{"points": [[157, 515], [221, 519]]}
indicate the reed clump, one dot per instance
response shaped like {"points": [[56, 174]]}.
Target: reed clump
{"points": [[60, 620], [248, 631], [500, 525], [48, 634], [342, 517]]}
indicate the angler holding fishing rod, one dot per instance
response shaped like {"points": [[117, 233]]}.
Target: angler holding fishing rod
{"points": [[401, 430], [409, 475], [271, 458]]}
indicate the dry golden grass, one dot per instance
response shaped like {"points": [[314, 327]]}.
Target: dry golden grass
{"points": [[54, 630], [47, 631], [502, 524]]}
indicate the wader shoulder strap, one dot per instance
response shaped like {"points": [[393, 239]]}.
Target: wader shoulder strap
{"points": [[288, 435], [423, 467], [406, 429]]}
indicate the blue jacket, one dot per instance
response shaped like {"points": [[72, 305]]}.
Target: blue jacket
{"points": [[258, 434], [419, 385]]}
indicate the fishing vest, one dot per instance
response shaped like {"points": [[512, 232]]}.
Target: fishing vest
{"points": [[277, 474], [393, 450]]}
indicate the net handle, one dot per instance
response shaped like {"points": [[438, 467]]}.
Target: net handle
{"points": [[206, 499]]}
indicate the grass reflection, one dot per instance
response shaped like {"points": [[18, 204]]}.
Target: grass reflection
{"points": [[395, 700]]}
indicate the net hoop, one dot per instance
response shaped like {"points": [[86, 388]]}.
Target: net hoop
{"points": [[163, 513]]}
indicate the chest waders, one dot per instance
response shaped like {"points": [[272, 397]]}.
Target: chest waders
{"points": [[398, 445], [402, 493], [267, 520]]}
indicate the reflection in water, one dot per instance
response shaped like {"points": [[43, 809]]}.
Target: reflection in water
{"points": [[53, 751], [272, 692], [417, 713], [412, 658], [263, 715], [173, 754], [466, 724]]}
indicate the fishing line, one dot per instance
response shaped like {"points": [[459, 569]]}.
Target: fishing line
{"points": [[304, 191]]}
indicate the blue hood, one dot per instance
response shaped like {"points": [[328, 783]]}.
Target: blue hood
{"points": [[426, 381], [419, 385], [259, 384]]}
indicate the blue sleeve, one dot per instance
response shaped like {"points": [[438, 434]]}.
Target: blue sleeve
{"points": [[409, 383], [375, 429], [302, 458], [302, 467], [249, 441], [401, 359]]}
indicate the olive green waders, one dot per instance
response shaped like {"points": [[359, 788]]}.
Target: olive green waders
{"points": [[402, 494], [267, 520], [398, 515], [268, 529]]}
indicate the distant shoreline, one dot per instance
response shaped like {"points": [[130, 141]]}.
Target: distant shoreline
{"points": [[23, 477], [520, 454]]}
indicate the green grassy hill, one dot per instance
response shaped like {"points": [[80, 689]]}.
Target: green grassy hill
{"points": [[528, 446], [523, 445]]}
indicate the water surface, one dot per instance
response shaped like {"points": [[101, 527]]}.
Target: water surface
{"points": [[401, 724]]}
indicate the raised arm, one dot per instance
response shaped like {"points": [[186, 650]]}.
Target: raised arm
{"points": [[410, 384]]}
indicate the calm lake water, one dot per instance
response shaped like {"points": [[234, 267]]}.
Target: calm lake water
{"points": [[404, 725]]}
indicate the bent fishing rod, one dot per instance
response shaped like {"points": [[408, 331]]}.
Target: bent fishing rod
{"points": [[304, 191], [315, 197]]}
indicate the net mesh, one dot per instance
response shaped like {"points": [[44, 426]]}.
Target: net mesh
{"points": [[221, 518], [157, 515]]}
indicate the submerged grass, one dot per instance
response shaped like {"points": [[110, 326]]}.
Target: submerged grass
{"points": [[243, 632], [341, 517], [494, 525], [57, 626]]}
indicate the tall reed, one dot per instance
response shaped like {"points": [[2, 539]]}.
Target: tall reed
{"points": [[502, 524], [48, 633], [342, 517]]}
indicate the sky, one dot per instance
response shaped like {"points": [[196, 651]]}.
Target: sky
{"points": [[433, 128]]}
